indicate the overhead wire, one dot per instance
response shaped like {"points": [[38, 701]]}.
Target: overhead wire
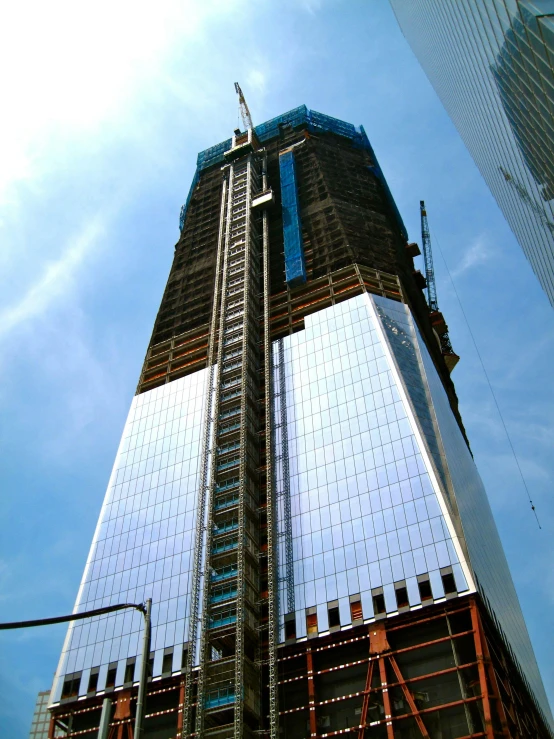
{"points": [[528, 494]]}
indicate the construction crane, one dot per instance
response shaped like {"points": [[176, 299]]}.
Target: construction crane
{"points": [[428, 258], [244, 112], [436, 316]]}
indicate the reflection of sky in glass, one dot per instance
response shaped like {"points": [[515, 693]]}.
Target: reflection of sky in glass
{"points": [[491, 63], [485, 549], [143, 543], [364, 513], [470, 502]]}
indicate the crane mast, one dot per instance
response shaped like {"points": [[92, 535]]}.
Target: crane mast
{"points": [[428, 258], [436, 316], [244, 111]]}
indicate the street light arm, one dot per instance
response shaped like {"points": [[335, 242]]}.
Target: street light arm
{"points": [[72, 617]]}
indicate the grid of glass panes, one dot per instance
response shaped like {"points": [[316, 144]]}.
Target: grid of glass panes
{"points": [[41, 717], [143, 543], [364, 513]]}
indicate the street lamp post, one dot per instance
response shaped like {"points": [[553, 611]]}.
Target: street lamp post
{"points": [[145, 609], [139, 714]]}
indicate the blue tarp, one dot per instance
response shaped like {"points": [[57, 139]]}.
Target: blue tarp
{"points": [[295, 267]]}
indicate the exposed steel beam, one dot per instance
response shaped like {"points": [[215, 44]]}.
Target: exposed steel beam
{"points": [[365, 703], [311, 692], [487, 717], [409, 697]]}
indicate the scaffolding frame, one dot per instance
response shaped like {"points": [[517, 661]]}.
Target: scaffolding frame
{"points": [[203, 493], [227, 678]]}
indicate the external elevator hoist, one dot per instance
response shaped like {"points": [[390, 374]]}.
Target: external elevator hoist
{"points": [[231, 562]]}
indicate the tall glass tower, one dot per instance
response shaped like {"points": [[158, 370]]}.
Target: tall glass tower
{"points": [[491, 63], [294, 488]]}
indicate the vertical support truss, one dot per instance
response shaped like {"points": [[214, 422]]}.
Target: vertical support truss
{"points": [[203, 493], [272, 605], [284, 493], [365, 703], [487, 677], [311, 691], [227, 552]]}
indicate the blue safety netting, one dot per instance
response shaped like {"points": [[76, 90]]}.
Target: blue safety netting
{"points": [[295, 267], [300, 116], [315, 122]]}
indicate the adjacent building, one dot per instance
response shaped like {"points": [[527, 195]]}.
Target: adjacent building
{"points": [[492, 64], [294, 488]]}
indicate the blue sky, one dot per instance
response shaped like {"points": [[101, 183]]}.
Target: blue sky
{"points": [[105, 110]]}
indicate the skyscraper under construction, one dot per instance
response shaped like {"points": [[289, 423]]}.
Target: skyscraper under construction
{"points": [[294, 488]]}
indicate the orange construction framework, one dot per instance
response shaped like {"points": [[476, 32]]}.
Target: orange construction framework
{"points": [[439, 672]]}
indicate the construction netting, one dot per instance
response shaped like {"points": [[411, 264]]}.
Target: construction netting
{"points": [[295, 267]]}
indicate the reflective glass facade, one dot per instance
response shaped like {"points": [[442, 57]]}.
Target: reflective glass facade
{"points": [[382, 492], [41, 717], [383, 488], [144, 539], [366, 509], [492, 64]]}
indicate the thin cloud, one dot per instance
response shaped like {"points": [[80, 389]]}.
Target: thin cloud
{"points": [[54, 280], [257, 81], [478, 253], [93, 61], [311, 6]]}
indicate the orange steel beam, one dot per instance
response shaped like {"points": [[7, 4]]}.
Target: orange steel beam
{"points": [[427, 619], [386, 697], [311, 691], [365, 703], [493, 682], [487, 716], [181, 705], [409, 697]]}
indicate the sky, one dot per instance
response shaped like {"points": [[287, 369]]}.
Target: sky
{"points": [[105, 108]]}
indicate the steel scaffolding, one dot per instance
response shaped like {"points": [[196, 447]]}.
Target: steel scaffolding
{"points": [[227, 545]]}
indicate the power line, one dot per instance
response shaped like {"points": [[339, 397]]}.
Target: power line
{"points": [[488, 382]]}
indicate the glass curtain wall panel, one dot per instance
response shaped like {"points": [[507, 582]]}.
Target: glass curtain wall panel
{"points": [[467, 496], [142, 547], [492, 64], [366, 509], [383, 494]]}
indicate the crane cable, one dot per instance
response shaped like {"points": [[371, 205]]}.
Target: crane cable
{"points": [[488, 382]]}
